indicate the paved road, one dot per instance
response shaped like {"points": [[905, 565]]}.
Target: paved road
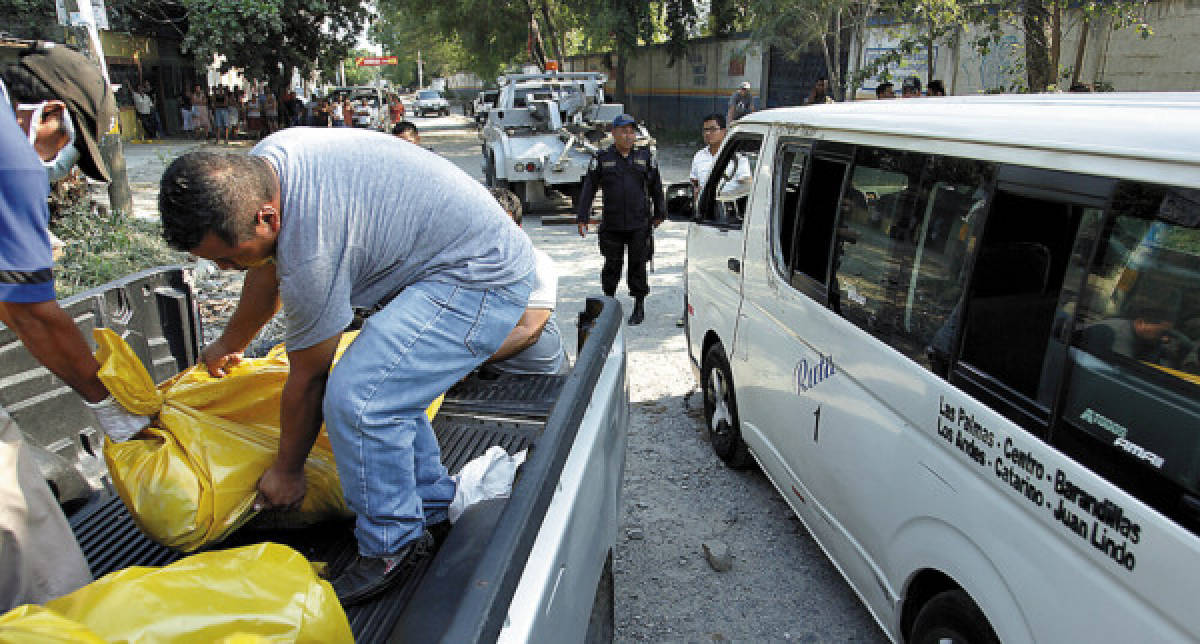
{"points": [[677, 495]]}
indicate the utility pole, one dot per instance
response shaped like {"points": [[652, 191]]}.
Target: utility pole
{"points": [[120, 197], [420, 72]]}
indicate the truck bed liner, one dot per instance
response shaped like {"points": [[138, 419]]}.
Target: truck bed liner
{"points": [[111, 540]]}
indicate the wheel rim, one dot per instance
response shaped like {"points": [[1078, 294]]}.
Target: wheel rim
{"points": [[721, 421]]}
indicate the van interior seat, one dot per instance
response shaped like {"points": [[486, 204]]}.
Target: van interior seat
{"points": [[1010, 314]]}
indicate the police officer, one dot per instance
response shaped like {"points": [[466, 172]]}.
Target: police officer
{"points": [[627, 177]]}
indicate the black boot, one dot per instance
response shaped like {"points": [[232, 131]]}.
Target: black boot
{"points": [[639, 312]]}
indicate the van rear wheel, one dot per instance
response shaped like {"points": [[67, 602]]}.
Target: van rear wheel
{"points": [[952, 617], [720, 409]]}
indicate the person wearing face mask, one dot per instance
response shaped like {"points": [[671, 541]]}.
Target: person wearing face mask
{"points": [[57, 107]]}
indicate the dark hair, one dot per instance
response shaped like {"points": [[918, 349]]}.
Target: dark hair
{"points": [[203, 192], [881, 88], [509, 201], [936, 88], [404, 126], [24, 87], [719, 118]]}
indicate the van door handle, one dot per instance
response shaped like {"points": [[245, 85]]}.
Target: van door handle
{"points": [[735, 265]]}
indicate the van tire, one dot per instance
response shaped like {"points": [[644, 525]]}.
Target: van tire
{"points": [[952, 616], [720, 410], [602, 623]]}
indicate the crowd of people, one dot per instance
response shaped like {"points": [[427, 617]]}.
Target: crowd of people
{"points": [[226, 113]]}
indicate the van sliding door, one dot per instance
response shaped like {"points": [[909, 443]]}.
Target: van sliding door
{"points": [[1021, 290]]}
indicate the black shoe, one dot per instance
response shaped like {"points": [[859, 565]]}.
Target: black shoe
{"points": [[439, 531], [366, 577], [639, 313]]}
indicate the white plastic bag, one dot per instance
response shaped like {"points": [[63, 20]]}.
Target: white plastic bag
{"points": [[488, 476]]}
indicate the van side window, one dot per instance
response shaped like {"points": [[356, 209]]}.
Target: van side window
{"points": [[790, 178], [730, 182], [1132, 402], [1018, 277], [816, 219], [908, 224]]}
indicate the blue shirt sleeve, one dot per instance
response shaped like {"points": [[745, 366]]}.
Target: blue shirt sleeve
{"points": [[26, 261]]}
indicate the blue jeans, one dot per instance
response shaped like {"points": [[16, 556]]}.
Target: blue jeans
{"points": [[425, 340]]}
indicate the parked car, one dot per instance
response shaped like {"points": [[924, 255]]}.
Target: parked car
{"points": [[431, 101]]}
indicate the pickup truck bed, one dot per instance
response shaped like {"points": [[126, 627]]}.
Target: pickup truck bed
{"points": [[111, 541], [464, 592]]}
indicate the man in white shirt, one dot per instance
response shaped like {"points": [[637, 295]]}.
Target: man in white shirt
{"points": [[535, 344], [713, 129], [143, 104], [714, 132]]}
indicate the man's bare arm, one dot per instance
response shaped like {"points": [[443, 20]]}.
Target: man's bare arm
{"points": [[524, 335], [259, 301], [50, 334], [282, 485]]}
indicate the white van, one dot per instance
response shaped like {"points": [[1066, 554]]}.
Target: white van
{"points": [[960, 337]]}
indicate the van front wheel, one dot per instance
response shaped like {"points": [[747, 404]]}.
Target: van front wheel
{"points": [[720, 409], [951, 616]]}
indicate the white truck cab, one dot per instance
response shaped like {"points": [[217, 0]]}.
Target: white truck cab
{"points": [[959, 336], [542, 132]]}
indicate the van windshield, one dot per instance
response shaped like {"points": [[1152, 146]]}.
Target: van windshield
{"points": [[427, 95]]}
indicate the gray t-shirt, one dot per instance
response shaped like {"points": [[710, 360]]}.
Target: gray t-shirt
{"points": [[366, 214]]}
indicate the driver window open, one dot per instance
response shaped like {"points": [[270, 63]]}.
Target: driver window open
{"points": [[727, 193]]}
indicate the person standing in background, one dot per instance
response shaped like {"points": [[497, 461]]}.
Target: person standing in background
{"points": [[629, 179], [200, 120], [271, 111], [741, 103]]}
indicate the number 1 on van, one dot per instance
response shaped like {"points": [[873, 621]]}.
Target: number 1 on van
{"points": [[816, 423]]}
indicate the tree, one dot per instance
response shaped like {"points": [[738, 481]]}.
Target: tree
{"points": [[794, 26], [267, 38], [1041, 23]]}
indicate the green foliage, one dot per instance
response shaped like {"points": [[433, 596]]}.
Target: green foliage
{"points": [[102, 247], [266, 38], [33, 19]]}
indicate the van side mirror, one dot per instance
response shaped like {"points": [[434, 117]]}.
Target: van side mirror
{"points": [[680, 197]]}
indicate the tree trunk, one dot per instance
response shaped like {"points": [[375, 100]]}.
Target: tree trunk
{"points": [[835, 74], [1083, 36], [552, 35], [1037, 53], [120, 196], [1055, 39], [929, 53], [621, 62]]}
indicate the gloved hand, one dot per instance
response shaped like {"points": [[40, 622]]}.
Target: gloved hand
{"points": [[116, 421]]}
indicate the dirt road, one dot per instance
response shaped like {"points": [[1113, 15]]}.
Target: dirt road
{"points": [[677, 495]]}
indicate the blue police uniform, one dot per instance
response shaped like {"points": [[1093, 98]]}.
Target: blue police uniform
{"points": [[26, 261], [628, 184]]}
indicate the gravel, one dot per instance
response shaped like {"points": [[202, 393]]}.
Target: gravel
{"points": [[703, 553]]}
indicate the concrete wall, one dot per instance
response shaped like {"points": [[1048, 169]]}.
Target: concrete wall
{"points": [[1167, 61]]}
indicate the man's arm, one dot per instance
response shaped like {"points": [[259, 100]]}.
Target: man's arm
{"points": [[524, 335], [283, 484], [259, 301], [50, 334], [587, 192], [654, 185]]}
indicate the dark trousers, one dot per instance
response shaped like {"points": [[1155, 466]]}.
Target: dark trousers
{"points": [[149, 124], [612, 246]]}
